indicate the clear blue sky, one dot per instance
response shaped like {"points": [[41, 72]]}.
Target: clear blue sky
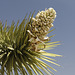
{"points": [[64, 24]]}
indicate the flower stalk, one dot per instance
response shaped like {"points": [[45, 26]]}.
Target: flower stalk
{"points": [[40, 26]]}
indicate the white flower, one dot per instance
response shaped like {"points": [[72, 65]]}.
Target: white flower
{"points": [[37, 16], [51, 9], [36, 29], [46, 38], [33, 19], [52, 25]]}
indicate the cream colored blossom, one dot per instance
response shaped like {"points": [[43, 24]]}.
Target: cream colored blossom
{"points": [[41, 25]]}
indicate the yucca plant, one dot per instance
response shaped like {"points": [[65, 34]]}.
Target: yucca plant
{"points": [[22, 47]]}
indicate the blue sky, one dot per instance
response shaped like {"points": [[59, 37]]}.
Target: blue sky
{"points": [[64, 24]]}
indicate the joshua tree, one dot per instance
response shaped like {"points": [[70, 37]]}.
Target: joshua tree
{"points": [[23, 47]]}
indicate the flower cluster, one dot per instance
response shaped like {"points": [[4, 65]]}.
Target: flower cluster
{"points": [[43, 22], [41, 25]]}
